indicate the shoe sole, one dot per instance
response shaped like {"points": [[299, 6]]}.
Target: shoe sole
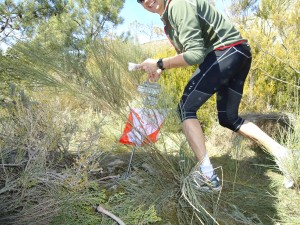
{"points": [[208, 189]]}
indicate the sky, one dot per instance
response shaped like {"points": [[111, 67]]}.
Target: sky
{"points": [[132, 11]]}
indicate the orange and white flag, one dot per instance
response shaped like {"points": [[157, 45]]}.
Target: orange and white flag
{"points": [[142, 126]]}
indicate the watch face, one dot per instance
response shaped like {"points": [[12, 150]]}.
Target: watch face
{"points": [[160, 64]]}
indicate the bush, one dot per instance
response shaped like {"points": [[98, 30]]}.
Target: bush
{"points": [[45, 154]]}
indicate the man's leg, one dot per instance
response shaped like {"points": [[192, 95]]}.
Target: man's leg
{"points": [[204, 176], [253, 132], [195, 137], [280, 153]]}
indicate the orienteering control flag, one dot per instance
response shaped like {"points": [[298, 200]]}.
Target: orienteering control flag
{"points": [[142, 126]]}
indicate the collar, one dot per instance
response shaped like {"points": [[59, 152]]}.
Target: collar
{"points": [[164, 16]]}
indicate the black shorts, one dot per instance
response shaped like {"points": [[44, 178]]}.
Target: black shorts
{"points": [[223, 72]]}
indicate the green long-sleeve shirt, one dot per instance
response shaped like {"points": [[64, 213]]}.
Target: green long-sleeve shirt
{"points": [[196, 28]]}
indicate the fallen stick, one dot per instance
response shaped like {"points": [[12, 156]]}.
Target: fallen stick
{"points": [[100, 209], [108, 177]]}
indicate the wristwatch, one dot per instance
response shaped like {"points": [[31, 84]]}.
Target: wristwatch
{"points": [[160, 64]]}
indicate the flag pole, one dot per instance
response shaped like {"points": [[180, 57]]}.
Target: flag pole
{"points": [[130, 161]]}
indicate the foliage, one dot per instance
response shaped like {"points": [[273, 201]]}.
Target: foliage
{"points": [[150, 31], [153, 193], [48, 155], [291, 139], [241, 9], [275, 70], [28, 140], [78, 208], [59, 24], [130, 212], [56, 174], [103, 78], [287, 205], [288, 199], [17, 17], [162, 175], [55, 147]]}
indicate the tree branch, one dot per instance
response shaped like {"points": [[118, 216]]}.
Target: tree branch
{"points": [[109, 214], [277, 79], [280, 60]]}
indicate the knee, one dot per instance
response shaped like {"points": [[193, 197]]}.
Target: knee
{"points": [[232, 123], [226, 123]]}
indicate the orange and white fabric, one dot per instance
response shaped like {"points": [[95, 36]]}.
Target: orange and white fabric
{"points": [[143, 126]]}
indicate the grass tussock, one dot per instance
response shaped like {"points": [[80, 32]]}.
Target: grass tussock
{"points": [[288, 200], [39, 161]]}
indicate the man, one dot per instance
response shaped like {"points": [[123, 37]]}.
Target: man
{"points": [[201, 35]]}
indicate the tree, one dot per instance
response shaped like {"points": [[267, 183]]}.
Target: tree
{"points": [[59, 22], [242, 9], [148, 30], [18, 18]]}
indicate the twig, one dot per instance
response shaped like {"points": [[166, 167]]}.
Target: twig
{"points": [[108, 177], [12, 165], [279, 59], [277, 79], [100, 209]]}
